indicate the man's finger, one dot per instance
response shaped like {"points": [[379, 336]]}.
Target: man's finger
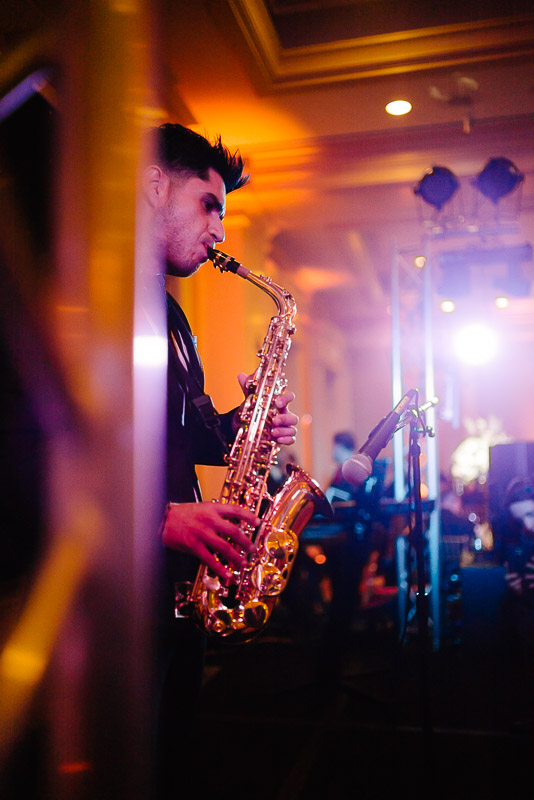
{"points": [[245, 382]]}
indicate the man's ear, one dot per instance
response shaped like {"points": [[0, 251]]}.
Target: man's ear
{"points": [[155, 185]]}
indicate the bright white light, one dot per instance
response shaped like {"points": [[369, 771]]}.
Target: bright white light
{"points": [[475, 344], [447, 306], [150, 351], [398, 107], [502, 302]]}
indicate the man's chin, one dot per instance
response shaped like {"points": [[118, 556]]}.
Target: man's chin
{"points": [[184, 270]]}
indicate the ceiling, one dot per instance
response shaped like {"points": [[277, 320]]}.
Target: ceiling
{"points": [[300, 87]]}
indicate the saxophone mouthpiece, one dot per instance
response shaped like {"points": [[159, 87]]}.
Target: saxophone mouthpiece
{"points": [[224, 262], [227, 263]]}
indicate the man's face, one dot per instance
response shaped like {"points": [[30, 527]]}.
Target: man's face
{"points": [[191, 222], [340, 453]]}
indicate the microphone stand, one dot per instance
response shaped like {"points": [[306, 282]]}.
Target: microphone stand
{"points": [[417, 534], [414, 416], [418, 428]]}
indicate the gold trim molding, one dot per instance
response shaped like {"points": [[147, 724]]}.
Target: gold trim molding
{"points": [[375, 56]]}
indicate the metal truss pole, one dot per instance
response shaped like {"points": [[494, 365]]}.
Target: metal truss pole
{"points": [[399, 483], [432, 468]]}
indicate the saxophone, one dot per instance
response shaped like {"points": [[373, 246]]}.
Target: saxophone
{"points": [[237, 609]]}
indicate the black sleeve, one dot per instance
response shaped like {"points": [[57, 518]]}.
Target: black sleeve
{"points": [[208, 448]]}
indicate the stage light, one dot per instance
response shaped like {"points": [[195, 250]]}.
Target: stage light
{"points": [[447, 306], [398, 107], [514, 282], [475, 344], [502, 302], [455, 267], [419, 262], [499, 178], [437, 186]]}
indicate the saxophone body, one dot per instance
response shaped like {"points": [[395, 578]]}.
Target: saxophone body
{"points": [[239, 608]]}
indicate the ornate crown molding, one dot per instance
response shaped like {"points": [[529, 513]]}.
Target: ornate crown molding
{"points": [[374, 56]]}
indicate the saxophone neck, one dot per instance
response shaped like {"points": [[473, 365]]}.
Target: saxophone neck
{"points": [[283, 299]]}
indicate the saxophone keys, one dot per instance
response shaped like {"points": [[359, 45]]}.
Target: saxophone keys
{"points": [[221, 622], [184, 606], [282, 544], [268, 579], [212, 584]]}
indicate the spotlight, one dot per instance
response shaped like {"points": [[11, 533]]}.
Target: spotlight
{"points": [[419, 262], [447, 306], [475, 344], [437, 186], [502, 302], [499, 178]]}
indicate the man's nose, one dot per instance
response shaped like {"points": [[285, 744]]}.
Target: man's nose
{"points": [[217, 230]]}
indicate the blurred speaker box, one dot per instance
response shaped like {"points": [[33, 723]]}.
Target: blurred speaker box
{"points": [[507, 461]]}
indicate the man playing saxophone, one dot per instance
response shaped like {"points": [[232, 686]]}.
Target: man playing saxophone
{"points": [[184, 199]]}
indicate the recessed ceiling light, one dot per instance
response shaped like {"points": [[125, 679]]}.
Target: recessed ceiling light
{"points": [[398, 107]]}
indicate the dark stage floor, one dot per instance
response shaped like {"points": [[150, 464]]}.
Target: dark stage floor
{"points": [[277, 722]]}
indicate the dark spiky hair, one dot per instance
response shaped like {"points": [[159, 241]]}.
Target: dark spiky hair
{"points": [[179, 149]]}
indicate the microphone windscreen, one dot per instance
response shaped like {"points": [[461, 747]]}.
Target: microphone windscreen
{"points": [[357, 469]]}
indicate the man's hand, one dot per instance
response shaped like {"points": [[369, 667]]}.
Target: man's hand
{"points": [[202, 530], [283, 428]]}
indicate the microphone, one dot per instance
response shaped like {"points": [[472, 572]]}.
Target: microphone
{"points": [[358, 468]]}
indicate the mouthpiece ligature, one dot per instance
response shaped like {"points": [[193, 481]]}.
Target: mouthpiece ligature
{"points": [[223, 261]]}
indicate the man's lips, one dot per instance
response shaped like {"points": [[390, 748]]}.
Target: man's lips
{"points": [[207, 246]]}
